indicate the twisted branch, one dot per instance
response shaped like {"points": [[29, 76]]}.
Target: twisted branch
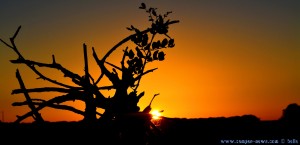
{"points": [[67, 73]]}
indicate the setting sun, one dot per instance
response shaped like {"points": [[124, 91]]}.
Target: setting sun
{"points": [[156, 114]]}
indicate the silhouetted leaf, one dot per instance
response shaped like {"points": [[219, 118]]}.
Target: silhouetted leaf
{"points": [[166, 14], [164, 42], [138, 38], [167, 21], [158, 43], [126, 52], [154, 45], [137, 31], [150, 10], [129, 62], [131, 54], [145, 40], [139, 62], [161, 56], [160, 20], [147, 47], [154, 13], [162, 30], [143, 6], [155, 57], [149, 58], [139, 53], [171, 43], [133, 38], [153, 29]]}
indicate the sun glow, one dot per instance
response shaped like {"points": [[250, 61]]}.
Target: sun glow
{"points": [[155, 114]]}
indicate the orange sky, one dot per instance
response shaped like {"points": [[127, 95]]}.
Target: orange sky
{"points": [[231, 57]]}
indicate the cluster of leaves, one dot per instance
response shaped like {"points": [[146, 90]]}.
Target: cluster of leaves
{"points": [[148, 50]]}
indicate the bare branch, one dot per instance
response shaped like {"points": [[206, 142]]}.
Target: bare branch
{"points": [[53, 59], [66, 107], [63, 107], [140, 76], [48, 79], [76, 95], [98, 62], [123, 58], [53, 89], [38, 100], [57, 100], [16, 33], [36, 115], [6, 43], [86, 66], [106, 88], [66, 72], [98, 80], [112, 77], [45, 89]]}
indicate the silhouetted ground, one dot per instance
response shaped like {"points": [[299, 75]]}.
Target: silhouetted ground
{"points": [[173, 131], [221, 130]]}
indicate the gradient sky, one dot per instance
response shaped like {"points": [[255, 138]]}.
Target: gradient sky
{"points": [[232, 57]]}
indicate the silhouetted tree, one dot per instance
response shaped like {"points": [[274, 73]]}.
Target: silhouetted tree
{"points": [[125, 77], [291, 113]]}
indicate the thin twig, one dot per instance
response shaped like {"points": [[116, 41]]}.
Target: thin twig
{"points": [[113, 65], [144, 73], [66, 72]]}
